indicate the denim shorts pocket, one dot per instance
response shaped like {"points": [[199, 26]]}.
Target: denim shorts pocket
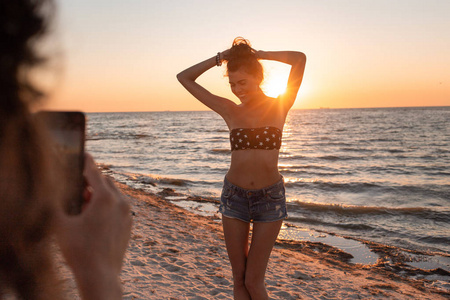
{"points": [[276, 194], [227, 192]]}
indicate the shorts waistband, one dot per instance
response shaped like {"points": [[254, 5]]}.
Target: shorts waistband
{"points": [[254, 192]]}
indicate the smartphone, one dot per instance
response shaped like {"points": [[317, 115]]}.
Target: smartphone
{"points": [[66, 132]]}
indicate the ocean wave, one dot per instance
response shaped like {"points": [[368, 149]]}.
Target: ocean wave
{"points": [[353, 210], [287, 156], [438, 173], [326, 185], [217, 139], [312, 173], [305, 167], [375, 140], [443, 240], [335, 158], [118, 136], [441, 151], [427, 190], [436, 191], [226, 151], [317, 221], [353, 149], [154, 179], [395, 151]]}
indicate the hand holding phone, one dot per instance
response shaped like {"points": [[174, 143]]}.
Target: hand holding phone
{"points": [[94, 242]]}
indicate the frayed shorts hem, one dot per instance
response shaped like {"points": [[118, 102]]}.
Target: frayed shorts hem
{"points": [[253, 221]]}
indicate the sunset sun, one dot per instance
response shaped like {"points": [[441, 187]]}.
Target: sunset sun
{"points": [[275, 86], [276, 77]]}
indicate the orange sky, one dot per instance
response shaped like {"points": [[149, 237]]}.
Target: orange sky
{"points": [[125, 56]]}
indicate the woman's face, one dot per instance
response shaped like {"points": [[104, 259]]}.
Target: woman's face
{"points": [[243, 85]]}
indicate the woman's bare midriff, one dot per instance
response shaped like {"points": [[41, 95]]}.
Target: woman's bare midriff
{"points": [[254, 169]]}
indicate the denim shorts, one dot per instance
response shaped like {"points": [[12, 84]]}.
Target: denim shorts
{"points": [[263, 205]]}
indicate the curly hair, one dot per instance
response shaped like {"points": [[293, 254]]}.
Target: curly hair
{"points": [[27, 205], [22, 24], [242, 55]]}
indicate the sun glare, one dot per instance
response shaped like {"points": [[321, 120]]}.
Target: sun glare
{"points": [[275, 87], [275, 78]]}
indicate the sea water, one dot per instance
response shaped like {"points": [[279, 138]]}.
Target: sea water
{"points": [[380, 174]]}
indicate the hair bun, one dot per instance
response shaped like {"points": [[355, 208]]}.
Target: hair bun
{"points": [[241, 48], [243, 56]]}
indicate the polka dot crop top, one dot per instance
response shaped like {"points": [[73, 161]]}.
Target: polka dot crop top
{"points": [[266, 138]]}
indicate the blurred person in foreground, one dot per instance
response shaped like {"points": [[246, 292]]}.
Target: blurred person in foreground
{"points": [[94, 242], [253, 190]]}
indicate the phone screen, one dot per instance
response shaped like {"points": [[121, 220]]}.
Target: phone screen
{"points": [[67, 134]]}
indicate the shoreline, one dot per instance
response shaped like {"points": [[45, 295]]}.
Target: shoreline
{"points": [[363, 249], [357, 250], [177, 254]]}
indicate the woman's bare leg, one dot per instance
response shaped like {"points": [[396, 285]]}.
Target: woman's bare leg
{"points": [[263, 238], [236, 239]]}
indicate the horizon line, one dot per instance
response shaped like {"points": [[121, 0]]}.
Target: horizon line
{"points": [[317, 108]]}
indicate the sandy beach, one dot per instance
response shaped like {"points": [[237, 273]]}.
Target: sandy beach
{"points": [[176, 254]]}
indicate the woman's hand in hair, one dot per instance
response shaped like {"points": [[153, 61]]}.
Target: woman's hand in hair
{"points": [[225, 55], [94, 242]]}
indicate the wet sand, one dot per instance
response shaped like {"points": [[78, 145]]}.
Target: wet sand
{"points": [[176, 254]]}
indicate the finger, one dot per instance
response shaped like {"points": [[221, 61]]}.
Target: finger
{"points": [[91, 172], [111, 184], [114, 190], [87, 195], [121, 198], [63, 222]]}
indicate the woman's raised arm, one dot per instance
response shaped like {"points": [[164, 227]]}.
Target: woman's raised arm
{"points": [[187, 78], [297, 60]]}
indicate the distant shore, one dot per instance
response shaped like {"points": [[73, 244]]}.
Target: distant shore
{"points": [[176, 254]]}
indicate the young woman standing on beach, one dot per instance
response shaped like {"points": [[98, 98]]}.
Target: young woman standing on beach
{"points": [[253, 188]]}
